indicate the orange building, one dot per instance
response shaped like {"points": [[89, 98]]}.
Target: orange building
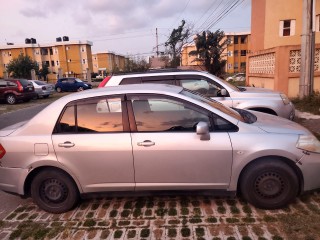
{"points": [[64, 57], [235, 53], [108, 62], [276, 28]]}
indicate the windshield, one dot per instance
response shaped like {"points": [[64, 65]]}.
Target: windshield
{"points": [[78, 80], [213, 103], [234, 88]]}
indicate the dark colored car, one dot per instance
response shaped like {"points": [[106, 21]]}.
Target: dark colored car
{"points": [[14, 90], [71, 84]]}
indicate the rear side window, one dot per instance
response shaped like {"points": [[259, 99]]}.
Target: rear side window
{"points": [[92, 116], [132, 80]]}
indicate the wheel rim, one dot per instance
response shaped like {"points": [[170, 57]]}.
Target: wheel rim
{"points": [[80, 89], [11, 99], [269, 185], [58, 89], [53, 191]]}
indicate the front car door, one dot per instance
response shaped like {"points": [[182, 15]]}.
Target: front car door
{"points": [[92, 140], [205, 86], [168, 154]]}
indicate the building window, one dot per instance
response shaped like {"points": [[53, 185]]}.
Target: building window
{"points": [[243, 65], [57, 63], [67, 48], [236, 40], [229, 53], [318, 23], [44, 51], [243, 39], [236, 52], [287, 28], [229, 65], [83, 61], [83, 49], [236, 65], [52, 63], [243, 52], [230, 40], [9, 53], [69, 60]]}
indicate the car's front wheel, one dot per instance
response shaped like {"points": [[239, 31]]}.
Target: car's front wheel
{"points": [[11, 99], [54, 191], [80, 89], [269, 184], [58, 89]]}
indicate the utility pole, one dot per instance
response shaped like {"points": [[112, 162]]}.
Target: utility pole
{"points": [[157, 42], [307, 49]]}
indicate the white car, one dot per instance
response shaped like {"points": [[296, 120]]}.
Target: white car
{"points": [[250, 98]]}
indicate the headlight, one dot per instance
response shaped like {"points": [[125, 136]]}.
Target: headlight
{"points": [[86, 85], [309, 143], [284, 98]]}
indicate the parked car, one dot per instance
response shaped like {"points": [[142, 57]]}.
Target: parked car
{"points": [[237, 77], [258, 99], [42, 88], [14, 90], [155, 137], [71, 84]]}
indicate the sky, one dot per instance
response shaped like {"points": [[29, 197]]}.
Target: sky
{"points": [[125, 27]]}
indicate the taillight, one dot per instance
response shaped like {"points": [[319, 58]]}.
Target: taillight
{"points": [[44, 88], [104, 82], [20, 87], [2, 151]]}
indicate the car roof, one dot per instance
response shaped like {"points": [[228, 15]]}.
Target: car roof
{"points": [[160, 73], [123, 89]]}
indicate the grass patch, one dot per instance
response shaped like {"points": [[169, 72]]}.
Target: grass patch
{"points": [[137, 212], [172, 232], [212, 220], [221, 209], [309, 104], [117, 234], [145, 233], [89, 223], [200, 232], [232, 220], [161, 212], [113, 213], [148, 212], [184, 211], [125, 213], [172, 212], [195, 220], [131, 233], [185, 232]]}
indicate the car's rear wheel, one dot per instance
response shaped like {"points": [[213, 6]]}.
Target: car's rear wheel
{"points": [[58, 89], [11, 99], [269, 184], [54, 191]]}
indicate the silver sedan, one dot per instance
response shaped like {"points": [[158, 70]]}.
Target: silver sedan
{"points": [[155, 137], [42, 88]]}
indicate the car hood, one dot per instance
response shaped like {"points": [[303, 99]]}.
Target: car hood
{"points": [[258, 90], [274, 124], [10, 129]]}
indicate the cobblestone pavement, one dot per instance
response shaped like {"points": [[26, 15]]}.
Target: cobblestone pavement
{"points": [[159, 217]]}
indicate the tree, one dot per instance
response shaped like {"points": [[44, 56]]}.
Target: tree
{"points": [[21, 67], [175, 42], [44, 71], [209, 48], [136, 64]]}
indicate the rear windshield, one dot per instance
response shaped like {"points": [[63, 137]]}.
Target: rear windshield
{"points": [[24, 82], [40, 83]]}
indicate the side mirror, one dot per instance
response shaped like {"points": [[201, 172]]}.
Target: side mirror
{"points": [[223, 92], [203, 131]]}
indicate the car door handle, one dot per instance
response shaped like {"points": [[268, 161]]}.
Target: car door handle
{"points": [[66, 144], [146, 143]]}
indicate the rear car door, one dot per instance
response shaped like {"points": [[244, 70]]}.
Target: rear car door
{"points": [[168, 154], [92, 140]]}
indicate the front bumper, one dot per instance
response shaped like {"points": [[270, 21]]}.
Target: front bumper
{"points": [[12, 180], [310, 167]]}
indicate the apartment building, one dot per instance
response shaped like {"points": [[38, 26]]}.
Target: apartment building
{"points": [[235, 52], [63, 57], [105, 63], [276, 28]]}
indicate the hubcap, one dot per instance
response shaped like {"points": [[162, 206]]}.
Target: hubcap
{"points": [[269, 185], [11, 99], [53, 190]]}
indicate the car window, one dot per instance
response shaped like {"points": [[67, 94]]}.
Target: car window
{"points": [[71, 81], [132, 80], [40, 83], [162, 114], [3, 83], [202, 86], [92, 116]]}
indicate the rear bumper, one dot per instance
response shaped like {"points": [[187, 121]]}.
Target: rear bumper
{"points": [[310, 166], [26, 96], [12, 180], [287, 111]]}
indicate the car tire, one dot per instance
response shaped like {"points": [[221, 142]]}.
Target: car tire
{"points": [[58, 89], [80, 89], [11, 99], [54, 191], [269, 184]]}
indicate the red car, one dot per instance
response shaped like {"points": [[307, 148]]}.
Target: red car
{"points": [[14, 90]]}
